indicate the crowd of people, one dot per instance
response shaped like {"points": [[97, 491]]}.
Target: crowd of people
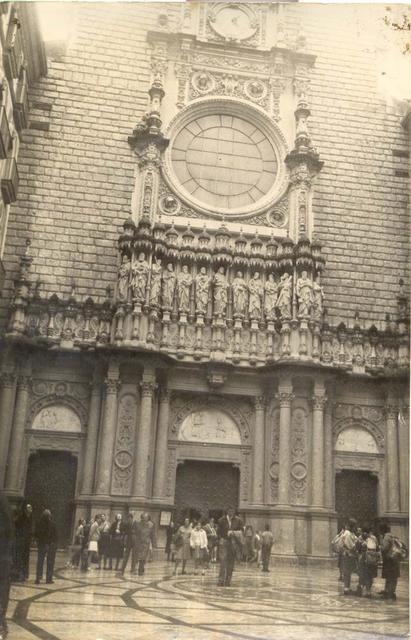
{"points": [[110, 545], [205, 542], [105, 545], [361, 550]]}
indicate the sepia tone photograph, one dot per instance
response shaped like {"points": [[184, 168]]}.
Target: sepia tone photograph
{"points": [[204, 320]]}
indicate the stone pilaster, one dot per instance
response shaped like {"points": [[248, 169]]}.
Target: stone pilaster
{"points": [[404, 445], [159, 484], [17, 434], [285, 396], [142, 461], [258, 451], [329, 454], [90, 453], [108, 432], [392, 460], [7, 397], [317, 488]]}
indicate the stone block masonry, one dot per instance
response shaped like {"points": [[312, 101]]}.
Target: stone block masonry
{"points": [[77, 169]]}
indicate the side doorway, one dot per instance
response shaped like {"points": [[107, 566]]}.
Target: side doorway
{"points": [[356, 496], [51, 484]]}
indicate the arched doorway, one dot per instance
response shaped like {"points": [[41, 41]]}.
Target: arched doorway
{"points": [[205, 488], [51, 484]]}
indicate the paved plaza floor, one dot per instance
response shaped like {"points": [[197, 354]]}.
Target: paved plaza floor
{"points": [[286, 604]]}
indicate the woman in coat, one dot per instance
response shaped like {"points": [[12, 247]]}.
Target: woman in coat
{"points": [[367, 562], [116, 542], [182, 543], [144, 539]]}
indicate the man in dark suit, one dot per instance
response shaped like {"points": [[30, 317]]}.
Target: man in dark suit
{"points": [[46, 536], [229, 529]]}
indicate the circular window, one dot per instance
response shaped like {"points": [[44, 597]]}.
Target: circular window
{"points": [[225, 158]]}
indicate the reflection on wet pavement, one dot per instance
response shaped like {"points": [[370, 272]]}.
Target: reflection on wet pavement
{"points": [[288, 603]]}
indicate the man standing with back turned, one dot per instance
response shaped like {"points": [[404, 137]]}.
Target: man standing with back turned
{"points": [[229, 531]]}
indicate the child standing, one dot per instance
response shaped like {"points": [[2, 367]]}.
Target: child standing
{"points": [[198, 543]]}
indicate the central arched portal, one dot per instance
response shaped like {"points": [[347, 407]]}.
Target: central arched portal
{"points": [[205, 488], [208, 470]]}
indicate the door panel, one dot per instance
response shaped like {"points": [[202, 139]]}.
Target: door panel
{"points": [[356, 496], [205, 488], [50, 484]]}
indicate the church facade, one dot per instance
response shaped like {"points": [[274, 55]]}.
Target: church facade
{"points": [[205, 300]]}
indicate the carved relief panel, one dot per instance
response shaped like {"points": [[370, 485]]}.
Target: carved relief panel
{"points": [[273, 427], [299, 455], [124, 447]]}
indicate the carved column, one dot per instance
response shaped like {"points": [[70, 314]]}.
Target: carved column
{"points": [[317, 475], [160, 469], [108, 433], [328, 455], [17, 434], [93, 423], [285, 396], [392, 461], [258, 451], [144, 436], [7, 396], [404, 444]]}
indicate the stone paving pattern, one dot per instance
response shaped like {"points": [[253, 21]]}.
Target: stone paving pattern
{"points": [[289, 603]]}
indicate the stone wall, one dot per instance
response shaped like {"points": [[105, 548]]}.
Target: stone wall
{"points": [[77, 170]]}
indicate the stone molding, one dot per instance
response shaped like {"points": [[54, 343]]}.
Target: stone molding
{"points": [[372, 428], [54, 399]]}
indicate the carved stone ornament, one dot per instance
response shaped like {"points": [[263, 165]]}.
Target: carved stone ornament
{"points": [[350, 423], [240, 413], [124, 447], [57, 417], [233, 22], [299, 455], [210, 426]]}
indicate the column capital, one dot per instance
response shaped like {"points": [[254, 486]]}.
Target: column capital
{"points": [[24, 382], [260, 403], [147, 388], [7, 379], [391, 411], [112, 385], [285, 396], [319, 401]]}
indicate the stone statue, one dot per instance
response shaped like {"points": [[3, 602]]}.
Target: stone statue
{"points": [[202, 283], [255, 287], [318, 299], [270, 291], [155, 282], [304, 294], [285, 295], [168, 286], [239, 294], [139, 277], [123, 278], [184, 280], [220, 292]]}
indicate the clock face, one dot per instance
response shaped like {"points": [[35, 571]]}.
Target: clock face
{"points": [[233, 23], [224, 161]]}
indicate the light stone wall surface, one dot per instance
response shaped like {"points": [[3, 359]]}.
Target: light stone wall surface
{"points": [[77, 170]]}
